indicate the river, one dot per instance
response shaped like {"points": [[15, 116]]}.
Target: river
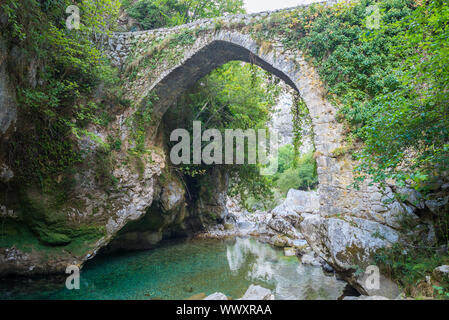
{"points": [[182, 269]]}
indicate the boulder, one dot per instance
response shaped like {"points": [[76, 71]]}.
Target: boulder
{"points": [[300, 243], [441, 273], [289, 251], [283, 227], [412, 197], [296, 203], [216, 296], [255, 292], [397, 211], [280, 241], [172, 195], [311, 259], [349, 245]]}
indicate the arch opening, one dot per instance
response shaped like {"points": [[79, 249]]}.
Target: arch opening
{"points": [[205, 60], [196, 201]]}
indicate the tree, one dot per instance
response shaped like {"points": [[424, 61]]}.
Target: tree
{"points": [[153, 14]]}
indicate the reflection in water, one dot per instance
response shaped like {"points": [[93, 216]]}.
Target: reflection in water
{"points": [[291, 280], [182, 269], [254, 255]]}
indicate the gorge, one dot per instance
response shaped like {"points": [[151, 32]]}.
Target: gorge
{"points": [[121, 192]]}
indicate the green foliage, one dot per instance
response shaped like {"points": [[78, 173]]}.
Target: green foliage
{"points": [[286, 158], [390, 83], [441, 291], [139, 125], [234, 96], [298, 111], [410, 265], [59, 103], [407, 132], [303, 176], [152, 14]]}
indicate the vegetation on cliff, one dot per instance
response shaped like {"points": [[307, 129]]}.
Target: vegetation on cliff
{"points": [[63, 84]]}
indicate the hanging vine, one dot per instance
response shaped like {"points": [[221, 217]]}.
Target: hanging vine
{"points": [[298, 112]]}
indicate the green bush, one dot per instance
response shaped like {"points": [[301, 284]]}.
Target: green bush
{"points": [[303, 176], [152, 14], [286, 158]]}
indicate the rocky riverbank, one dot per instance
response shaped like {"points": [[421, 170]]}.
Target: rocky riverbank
{"points": [[278, 227], [297, 226]]}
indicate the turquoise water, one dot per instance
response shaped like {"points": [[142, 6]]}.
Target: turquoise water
{"points": [[183, 269]]}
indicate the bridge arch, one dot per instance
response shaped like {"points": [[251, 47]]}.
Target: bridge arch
{"points": [[212, 49]]}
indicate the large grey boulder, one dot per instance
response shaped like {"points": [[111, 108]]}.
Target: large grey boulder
{"points": [[283, 227], [255, 292], [349, 246], [287, 216], [296, 203], [311, 259]]}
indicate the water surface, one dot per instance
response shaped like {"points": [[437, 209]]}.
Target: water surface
{"points": [[179, 270]]}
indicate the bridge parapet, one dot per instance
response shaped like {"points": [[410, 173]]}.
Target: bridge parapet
{"points": [[119, 45]]}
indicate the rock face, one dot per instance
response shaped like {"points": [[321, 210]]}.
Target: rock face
{"points": [[8, 109], [348, 244], [282, 122], [211, 205], [296, 203], [167, 212], [170, 215]]}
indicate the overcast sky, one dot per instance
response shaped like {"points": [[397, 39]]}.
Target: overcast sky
{"points": [[264, 5]]}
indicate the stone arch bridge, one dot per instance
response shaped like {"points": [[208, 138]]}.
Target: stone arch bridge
{"points": [[166, 62]]}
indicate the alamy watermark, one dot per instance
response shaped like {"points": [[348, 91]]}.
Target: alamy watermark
{"points": [[73, 280], [73, 20], [373, 17], [372, 281]]}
